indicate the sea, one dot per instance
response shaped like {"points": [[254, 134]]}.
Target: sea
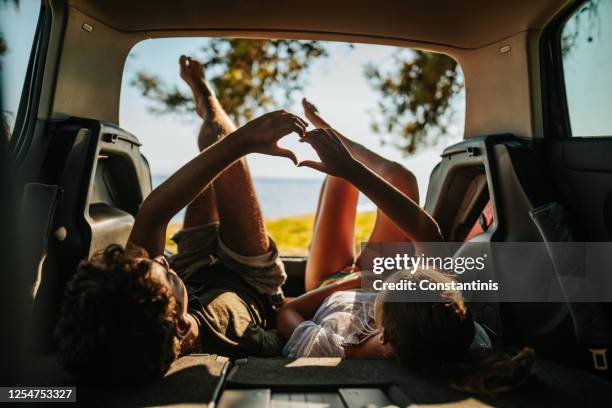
{"points": [[283, 197]]}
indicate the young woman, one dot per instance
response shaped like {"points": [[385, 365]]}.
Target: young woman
{"points": [[338, 319]]}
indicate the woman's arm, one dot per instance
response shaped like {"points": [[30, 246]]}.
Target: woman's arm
{"points": [[336, 160], [257, 136], [304, 307], [413, 220]]}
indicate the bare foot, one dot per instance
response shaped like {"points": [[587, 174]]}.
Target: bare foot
{"points": [[312, 114], [192, 72]]}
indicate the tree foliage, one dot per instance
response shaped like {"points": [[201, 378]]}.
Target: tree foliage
{"points": [[583, 22], [3, 45], [249, 76], [416, 96]]}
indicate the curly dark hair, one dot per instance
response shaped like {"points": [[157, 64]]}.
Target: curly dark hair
{"points": [[116, 324]]}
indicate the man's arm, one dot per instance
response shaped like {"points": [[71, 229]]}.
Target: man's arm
{"points": [[177, 191], [257, 136]]}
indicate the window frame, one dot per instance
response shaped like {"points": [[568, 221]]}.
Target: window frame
{"points": [[27, 110], [555, 110]]}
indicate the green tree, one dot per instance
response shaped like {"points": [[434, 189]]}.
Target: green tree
{"points": [[416, 95], [3, 45], [249, 76], [582, 23]]}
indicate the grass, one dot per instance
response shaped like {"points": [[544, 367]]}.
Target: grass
{"points": [[292, 234]]}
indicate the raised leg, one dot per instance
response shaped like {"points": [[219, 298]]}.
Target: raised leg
{"points": [[241, 223], [384, 229], [333, 240], [202, 210], [242, 227]]}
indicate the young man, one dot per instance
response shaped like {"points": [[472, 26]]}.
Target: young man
{"points": [[127, 313]]}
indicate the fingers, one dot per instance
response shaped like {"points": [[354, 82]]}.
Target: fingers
{"points": [[292, 123], [315, 142], [314, 137], [299, 129], [281, 151], [298, 119], [288, 126], [323, 136], [333, 138], [283, 114], [313, 165]]}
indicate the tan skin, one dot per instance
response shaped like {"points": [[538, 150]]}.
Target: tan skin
{"points": [[210, 185], [332, 248], [399, 218]]}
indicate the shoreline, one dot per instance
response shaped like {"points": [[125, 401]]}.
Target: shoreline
{"points": [[292, 234]]}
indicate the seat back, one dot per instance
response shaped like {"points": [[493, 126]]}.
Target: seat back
{"points": [[102, 179], [508, 173]]}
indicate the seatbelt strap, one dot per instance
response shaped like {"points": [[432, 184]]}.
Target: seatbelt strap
{"points": [[591, 327]]}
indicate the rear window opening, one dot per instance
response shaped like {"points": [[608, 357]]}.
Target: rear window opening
{"points": [[356, 88]]}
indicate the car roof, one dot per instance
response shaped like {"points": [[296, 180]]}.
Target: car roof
{"points": [[451, 23]]}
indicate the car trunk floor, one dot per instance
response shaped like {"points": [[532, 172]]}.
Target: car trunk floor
{"points": [[192, 381], [332, 382], [200, 380]]}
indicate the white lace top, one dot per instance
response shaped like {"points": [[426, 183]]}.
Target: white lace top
{"points": [[345, 318]]}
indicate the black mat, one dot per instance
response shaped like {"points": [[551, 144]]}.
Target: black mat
{"points": [[190, 382], [314, 372], [549, 385]]}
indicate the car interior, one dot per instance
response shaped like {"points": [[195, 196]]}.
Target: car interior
{"points": [[81, 179]]}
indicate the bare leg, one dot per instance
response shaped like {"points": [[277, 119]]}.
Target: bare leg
{"points": [[333, 242], [320, 200], [241, 222], [384, 229], [202, 210], [242, 226]]}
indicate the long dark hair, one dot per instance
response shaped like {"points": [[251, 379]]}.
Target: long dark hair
{"points": [[116, 325], [437, 336]]}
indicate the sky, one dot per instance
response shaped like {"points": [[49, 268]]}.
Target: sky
{"points": [[587, 69], [17, 26]]}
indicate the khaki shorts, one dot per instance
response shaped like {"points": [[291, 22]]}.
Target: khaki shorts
{"points": [[201, 246]]}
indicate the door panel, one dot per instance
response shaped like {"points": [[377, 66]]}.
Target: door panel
{"points": [[103, 179], [575, 66], [582, 170]]}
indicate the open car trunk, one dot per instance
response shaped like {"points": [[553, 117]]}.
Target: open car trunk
{"points": [[84, 179]]}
